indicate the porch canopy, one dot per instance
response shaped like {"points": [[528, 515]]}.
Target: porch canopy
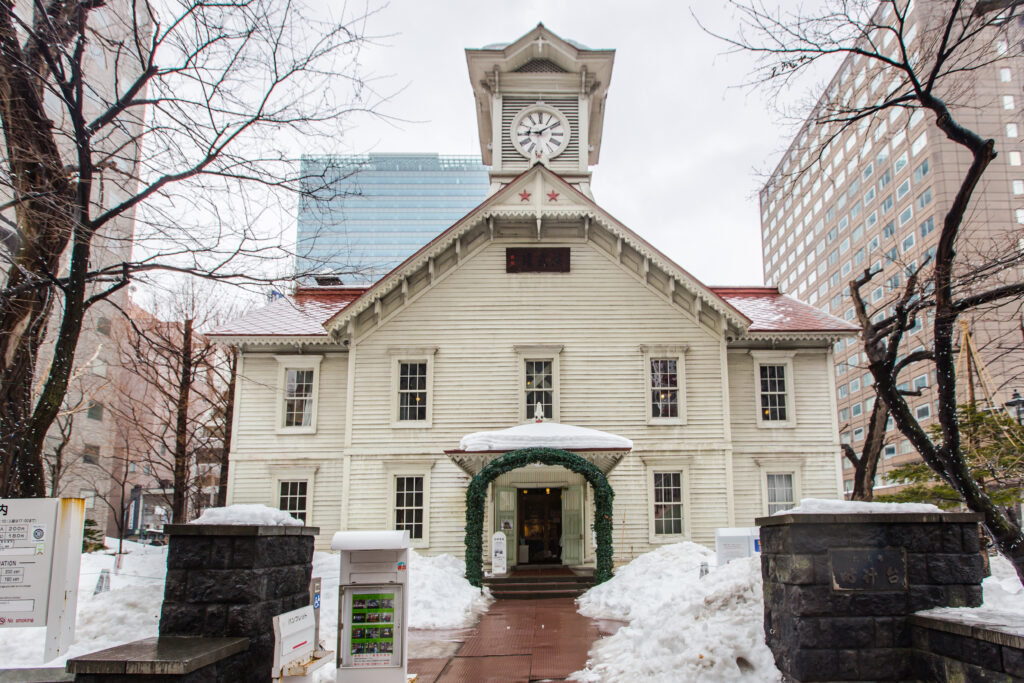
{"points": [[601, 448]]}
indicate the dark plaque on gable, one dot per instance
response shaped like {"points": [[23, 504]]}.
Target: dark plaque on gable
{"points": [[537, 260]]}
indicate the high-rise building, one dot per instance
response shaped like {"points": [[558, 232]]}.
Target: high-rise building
{"points": [[368, 213], [876, 197]]}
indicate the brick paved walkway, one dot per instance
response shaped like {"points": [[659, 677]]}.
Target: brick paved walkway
{"points": [[517, 641]]}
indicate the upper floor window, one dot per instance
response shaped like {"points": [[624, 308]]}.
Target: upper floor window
{"points": [[664, 388], [774, 388], [95, 411], [773, 392], [299, 381], [540, 388], [91, 454], [412, 390]]}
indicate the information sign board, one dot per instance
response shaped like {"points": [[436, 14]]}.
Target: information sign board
{"points": [[373, 626], [40, 556], [26, 560], [294, 637], [499, 553]]}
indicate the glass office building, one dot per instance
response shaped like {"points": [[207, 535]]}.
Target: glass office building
{"points": [[363, 215]]}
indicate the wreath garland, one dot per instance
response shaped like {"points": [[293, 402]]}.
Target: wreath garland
{"points": [[476, 498]]}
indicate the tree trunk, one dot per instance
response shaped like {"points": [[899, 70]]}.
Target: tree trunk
{"points": [[229, 416], [180, 497]]}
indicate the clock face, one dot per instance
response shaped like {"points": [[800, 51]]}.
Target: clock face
{"points": [[540, 132]]}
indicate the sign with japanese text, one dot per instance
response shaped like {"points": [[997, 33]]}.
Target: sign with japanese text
{"points": [[875, 569], [26, 560]]}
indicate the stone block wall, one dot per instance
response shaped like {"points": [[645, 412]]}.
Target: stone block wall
{"points": [[228, 580], [955, 645], [838, 588]]}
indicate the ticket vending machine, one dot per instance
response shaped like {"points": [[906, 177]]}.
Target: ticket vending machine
{"points": [[373, 602]]}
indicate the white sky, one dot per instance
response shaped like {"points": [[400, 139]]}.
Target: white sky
{"points": [[681, 147]]}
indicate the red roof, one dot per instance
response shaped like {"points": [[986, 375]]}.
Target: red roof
{"points": [[772, 311], [301, 315]]}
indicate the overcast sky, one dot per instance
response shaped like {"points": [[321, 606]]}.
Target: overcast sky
{"points": [[681, 149]]}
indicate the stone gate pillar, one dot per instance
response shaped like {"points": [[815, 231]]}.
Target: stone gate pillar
{"points": [[838, 588]]}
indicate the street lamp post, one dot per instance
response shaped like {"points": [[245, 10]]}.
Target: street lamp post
{"points": [[1016, 402]]}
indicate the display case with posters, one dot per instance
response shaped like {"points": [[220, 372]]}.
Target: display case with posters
{"points": [[372, 635]]}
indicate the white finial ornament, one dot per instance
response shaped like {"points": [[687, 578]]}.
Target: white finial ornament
{"points": [[538, 412]]}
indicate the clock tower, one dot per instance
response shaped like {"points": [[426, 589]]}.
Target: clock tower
{"points": [[540, 100]]}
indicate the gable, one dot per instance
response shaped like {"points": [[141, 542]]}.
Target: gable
{"points": [[540, 206]]}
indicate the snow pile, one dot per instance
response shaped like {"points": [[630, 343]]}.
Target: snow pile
{"points": [[819, 506], [638, 585], [1002, 589], [247, 513], [683, 628], [543, 435]]}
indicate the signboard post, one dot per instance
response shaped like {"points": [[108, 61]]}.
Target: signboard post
{"points": [[499, 554], [40, 557]]}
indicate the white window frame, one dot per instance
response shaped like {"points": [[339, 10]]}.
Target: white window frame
{"points": [[292, 473], [789, 466], [297, 362], [411, 354], [678, 354], [784, 358], [551, 352], [668, 464], [412, 468]]}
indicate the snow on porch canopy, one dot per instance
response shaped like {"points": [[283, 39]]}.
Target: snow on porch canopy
{"points": [[601, 448]]}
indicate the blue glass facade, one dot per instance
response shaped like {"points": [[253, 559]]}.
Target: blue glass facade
{"points": [[360, 216]]}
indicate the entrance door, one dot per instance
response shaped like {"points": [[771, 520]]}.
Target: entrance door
{"points": [[505, 518], [572, 525], [540, 525]]}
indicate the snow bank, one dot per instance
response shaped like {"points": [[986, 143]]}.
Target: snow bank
{"points": [[543, 435], [818, 506], [638, 586], [682, 628], [247, 513]]}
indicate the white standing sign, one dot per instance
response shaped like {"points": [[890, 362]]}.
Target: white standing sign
{"points": [[40, 557], [499, 553]]}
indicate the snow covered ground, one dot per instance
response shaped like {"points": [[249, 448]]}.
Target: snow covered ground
{"points": [[130, 610], [682, 627], [686, 628]]}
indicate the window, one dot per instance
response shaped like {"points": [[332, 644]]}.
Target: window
{"points": [[921, 171], [877, 295], [1007, 101], [409, 505], [858, 434], [886, 204], [95, 411], [884, 179], [844, 414], [919, 143], [665, 373], [923, 412], [298, 377], [537, 260], [540, 388], [908, 242], [781, 493], [925, 198], [103, 326], [292, 498], [1017, 186], [1011, 130], [900, 163], [668, 504], [855, 384], [859, 257], [890, 450], [412, 390], [856, 409], [90, 454], [843, 390], [928, 226], [773, 391], [905, 216], [99, 367], [1004, 75], [1015, 158], [298, 398], [902, 190], [873, 243], [920, 382]]}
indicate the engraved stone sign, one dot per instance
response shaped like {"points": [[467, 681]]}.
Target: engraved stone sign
{"points": [[877, 569]]}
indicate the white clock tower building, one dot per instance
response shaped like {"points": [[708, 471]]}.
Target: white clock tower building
{"points": [[540, 100]]}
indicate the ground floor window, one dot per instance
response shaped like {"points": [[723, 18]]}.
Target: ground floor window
{"points": [[668, 503], [409, 505], [293, 497], [780, 492]]}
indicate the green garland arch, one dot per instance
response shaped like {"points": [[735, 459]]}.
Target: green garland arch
{"points": [[476, 498]]}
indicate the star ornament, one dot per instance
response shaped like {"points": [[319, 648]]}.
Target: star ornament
{"points": [[552, 196], [524, 196]]}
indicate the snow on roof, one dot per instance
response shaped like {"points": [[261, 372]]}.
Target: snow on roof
{"points": [[769, 310], [301, 315], [544, 435]]}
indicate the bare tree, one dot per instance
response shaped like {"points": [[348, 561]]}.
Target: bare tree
{"points": [[187, 131], [922, 65], [865, 463]]}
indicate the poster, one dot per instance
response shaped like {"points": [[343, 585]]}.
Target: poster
{"points": [[26, 560], [373, 629]]}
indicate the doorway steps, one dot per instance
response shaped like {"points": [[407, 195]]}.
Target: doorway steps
{"points": [[557, 582]]}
